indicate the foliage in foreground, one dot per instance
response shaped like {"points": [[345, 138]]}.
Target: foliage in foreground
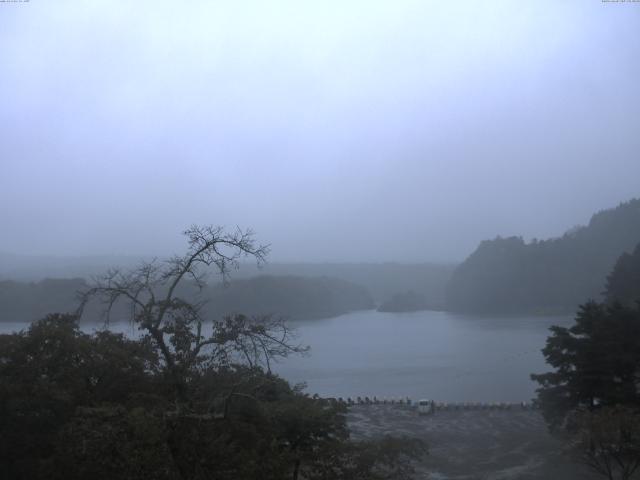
{"points": [[592, 395], [101, 406], [193, 398], [608, 441], [596, 362]]}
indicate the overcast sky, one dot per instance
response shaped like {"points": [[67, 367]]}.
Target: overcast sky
{"points": [[338, 130]]}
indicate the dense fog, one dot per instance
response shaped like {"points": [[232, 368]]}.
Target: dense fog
{"points": [[339, 131], [319, 240]]}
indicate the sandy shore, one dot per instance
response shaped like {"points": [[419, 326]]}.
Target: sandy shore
{"points": [[475, 444]]}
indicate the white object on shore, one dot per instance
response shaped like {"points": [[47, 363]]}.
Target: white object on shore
{"points": [[425, 407]]}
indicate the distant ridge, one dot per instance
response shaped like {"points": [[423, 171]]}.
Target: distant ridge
{"points": [[550, 276], [382, 280], [296, 298]]}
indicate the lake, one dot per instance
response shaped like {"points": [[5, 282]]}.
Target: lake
{"points": [[438, 355]]}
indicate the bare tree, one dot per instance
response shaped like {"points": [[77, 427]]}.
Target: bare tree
{"points": [[155, 295]]}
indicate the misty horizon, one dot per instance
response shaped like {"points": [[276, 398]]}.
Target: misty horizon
{"points": [[135, 257]]}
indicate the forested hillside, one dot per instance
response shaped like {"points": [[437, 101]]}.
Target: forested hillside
{"points": [[555, 275], [22, 302], [289, 296], [382, 280], [293, 297], [623, 284]]}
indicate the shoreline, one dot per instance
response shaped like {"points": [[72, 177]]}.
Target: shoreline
{"points": [[473, 444]]}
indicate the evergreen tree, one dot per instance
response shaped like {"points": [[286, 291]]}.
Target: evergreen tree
{"points": [[596, 362], [623, 283]]}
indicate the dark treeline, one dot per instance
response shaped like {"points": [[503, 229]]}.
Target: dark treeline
{"points": [[296, 298], [591, 396], [290, 296], [555, 275], [192, 398], [382, 280], [101, 406], [26, 302]]}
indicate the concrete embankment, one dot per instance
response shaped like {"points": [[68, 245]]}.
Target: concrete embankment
{"points": [[486, 444]]}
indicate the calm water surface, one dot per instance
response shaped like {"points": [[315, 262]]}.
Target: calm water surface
{"points": [[438, 355]]}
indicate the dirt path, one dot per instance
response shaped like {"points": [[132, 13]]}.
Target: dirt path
{"points": [[475, 444]]}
